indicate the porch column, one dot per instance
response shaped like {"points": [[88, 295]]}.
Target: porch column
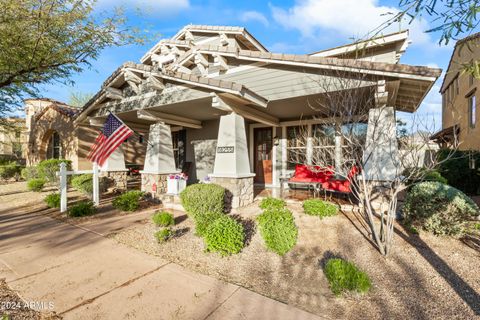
{"points": [[232, 167], [114, 170], [338, 153], [381, 149], [159, 160]]}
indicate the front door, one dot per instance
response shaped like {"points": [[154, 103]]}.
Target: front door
{"points": [[263, 142]]}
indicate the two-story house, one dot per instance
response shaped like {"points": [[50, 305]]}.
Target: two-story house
{"points": [[460, 116]]}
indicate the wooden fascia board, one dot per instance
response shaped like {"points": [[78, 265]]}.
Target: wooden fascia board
{"points": [[168, 118], [233, 104], [326, 67], [247, 94]]}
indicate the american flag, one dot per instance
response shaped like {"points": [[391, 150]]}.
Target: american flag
{"points": [[114, 132]]}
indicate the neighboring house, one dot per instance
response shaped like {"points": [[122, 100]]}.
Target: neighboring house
{"points": [[460, 117], [51, 134], [13, 139], [214, 102]]}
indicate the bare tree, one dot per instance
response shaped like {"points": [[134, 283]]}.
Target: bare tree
{"points": [[354, 137]]}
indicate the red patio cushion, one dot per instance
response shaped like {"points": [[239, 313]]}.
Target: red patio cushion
{"points": [[337, 185], [303, 172]]}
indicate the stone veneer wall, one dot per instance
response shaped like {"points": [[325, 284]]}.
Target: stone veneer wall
{"points": [[148, 179], [240, 190], [117, 179]]}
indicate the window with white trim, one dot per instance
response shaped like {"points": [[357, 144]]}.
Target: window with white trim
{"points": [[296, 146]]}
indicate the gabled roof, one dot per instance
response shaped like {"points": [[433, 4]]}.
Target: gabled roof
{"points": [[448, 79], [59, 107], [175, 76], [399, 38], [324, 62]]}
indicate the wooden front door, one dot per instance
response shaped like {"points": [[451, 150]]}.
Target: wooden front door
{"points": [[263, 142]]}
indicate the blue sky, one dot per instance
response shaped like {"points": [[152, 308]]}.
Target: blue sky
{"points": [[294, 26]]}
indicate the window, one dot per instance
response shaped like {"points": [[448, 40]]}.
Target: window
{"points": [[54, 149], [178, 143], [296, 146], [457, 89], [323, 144], [472, 110]]}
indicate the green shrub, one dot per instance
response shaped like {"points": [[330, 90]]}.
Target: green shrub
{"points": [[83, 183], [36, 185], [272, 203], [455, 167], [439, 208], [345, 276], [163, 219], [53, 200], [29, 173], [204, 220], [278, 230], [47, 169], [128, 201], [317, 207], [225, 236], [81, 209], [10, 170], [434, 175], [200, 198], [163, 235]]}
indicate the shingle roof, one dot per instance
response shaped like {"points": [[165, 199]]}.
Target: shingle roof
{"points": [[60, 107], [351, 63]]}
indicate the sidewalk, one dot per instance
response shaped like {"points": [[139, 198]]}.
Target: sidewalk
{"points": [[88, 276]]}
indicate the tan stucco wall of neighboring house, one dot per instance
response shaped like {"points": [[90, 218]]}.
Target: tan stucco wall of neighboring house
{"points": [[41, 132], [75, 141], [13, 139], [456, 90]]}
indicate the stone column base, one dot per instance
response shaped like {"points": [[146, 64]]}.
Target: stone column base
{"points": [[115, 179], [160, 180], [239, 190]]}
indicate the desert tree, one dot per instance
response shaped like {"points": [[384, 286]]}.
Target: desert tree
{"points": [[45, 41], [354, 131]]}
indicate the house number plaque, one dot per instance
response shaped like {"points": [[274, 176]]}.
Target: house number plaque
{"points": [[227, 149]]}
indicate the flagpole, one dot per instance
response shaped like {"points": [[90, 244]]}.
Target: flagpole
{"points": [[96, 191]]}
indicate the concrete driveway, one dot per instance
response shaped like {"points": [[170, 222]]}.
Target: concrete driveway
{"points": [[88, 276]]}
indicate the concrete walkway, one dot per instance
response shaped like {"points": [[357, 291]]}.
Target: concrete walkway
{"points": [[88, 276]]}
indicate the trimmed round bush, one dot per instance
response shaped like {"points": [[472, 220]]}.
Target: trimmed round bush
{"points": [[83, 183], [128, 201], [439, 208], [278, 230], [163, 219], [53, 200], [47, 169], [10, 170], [36, 185], [163, 235], [317, 207], [81, 209], [29, 173], [204, 220], [272, 203], [346, 276], [203, 197], [225, 236]]}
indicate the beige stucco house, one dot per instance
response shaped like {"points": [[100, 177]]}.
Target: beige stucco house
{"points": [[214, 102], [460, 114], [13, 139], [51, 133]]}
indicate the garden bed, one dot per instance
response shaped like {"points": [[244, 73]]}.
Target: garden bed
{"points": [[425, 277]]}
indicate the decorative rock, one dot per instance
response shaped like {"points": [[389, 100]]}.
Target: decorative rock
{"points": [[240, 190], [117, 179]]}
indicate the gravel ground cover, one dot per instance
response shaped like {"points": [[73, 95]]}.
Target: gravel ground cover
{"points": [[426, 277], [12, 307]]}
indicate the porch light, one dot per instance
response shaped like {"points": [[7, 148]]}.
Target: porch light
{"points": [[471, 161], [275, 141]]}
